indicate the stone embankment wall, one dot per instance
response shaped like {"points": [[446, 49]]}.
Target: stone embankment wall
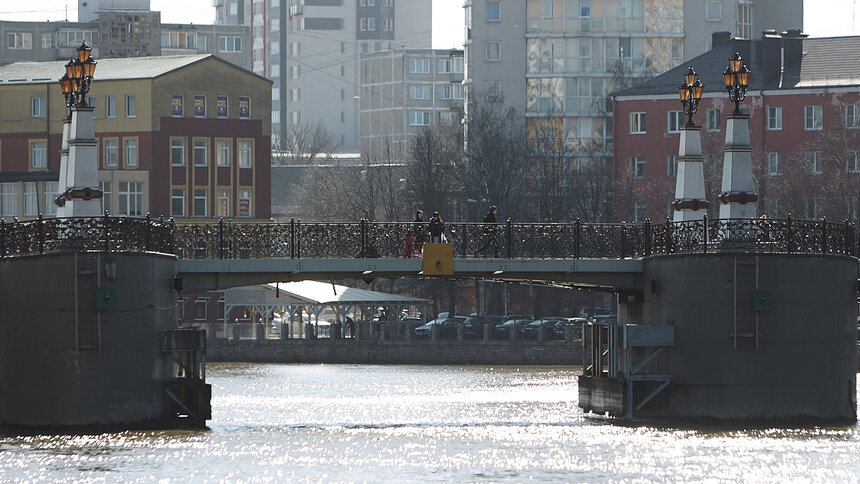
{"points": [[424, 352]]}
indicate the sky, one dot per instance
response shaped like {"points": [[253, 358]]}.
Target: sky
{"points": [[819, 17]]}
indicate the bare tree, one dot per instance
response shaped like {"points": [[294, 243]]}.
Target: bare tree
{"points": [[381, 186], [304, 144], [430, 178]]}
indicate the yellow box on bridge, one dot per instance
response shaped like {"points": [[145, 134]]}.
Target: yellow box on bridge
{"points": [[438, 260]]}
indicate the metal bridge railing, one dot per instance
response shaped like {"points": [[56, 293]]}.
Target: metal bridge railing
{"points": [[227, 239]]}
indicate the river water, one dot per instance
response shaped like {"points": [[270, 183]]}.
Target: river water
{"points": [[353, 423]]}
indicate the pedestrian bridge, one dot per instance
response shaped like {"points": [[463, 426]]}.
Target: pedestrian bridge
{"points": [[232, 253]]}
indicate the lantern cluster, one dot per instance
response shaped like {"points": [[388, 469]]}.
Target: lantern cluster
{"points": [[79, 74], [691, 93], [737, 79]]}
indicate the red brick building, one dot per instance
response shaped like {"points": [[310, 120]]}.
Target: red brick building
{"points": [[803, 104]]}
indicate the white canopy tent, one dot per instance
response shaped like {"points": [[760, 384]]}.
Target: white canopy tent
{"points": [[292, 298]]}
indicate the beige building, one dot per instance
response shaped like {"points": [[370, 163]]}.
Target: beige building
{"points": [[405, 90]]}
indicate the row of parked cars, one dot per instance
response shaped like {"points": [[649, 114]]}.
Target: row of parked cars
{"points": [[526, 327]]}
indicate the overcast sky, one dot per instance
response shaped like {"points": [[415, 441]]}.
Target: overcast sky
{"points": [[823, 18]]}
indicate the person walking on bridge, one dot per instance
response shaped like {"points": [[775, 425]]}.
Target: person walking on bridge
{"points": [[436, 228], [418, 232], [489, 234]]}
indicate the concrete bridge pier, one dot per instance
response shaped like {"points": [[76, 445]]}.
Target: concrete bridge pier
{"points": [[736, 337]]}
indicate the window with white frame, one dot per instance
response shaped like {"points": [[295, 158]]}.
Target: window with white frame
{"points": [[246, 154], [419, 66], [637, 166], [48, 41], [494, 11], [450, 91], [19, 40], [813, 118], [39, 154], [110, 106], [199, 202], [713, 11], [493, 51], [449, 118], [712, 120], [774, 163], [852, 163], [774, 118], [419, 92], [851, 120], [295, 48], [388, 26], [177, 152], [222, 152], [639, 211], [244, 200], [637, 123], [546, 9], [295, 72], [745, 14], [672, 166], [675, 121], [419, 118], [9, 199], [49, 192], [177, 202], [814, 162], [222, 203], [130, 106], [37, 109], [229, 44], [31, 199], [448, 66], [130, 151], [201, 152], [73, 38], [130, 198], [201, 308], [105, 187]]}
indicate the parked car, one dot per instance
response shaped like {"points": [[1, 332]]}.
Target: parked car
{"points": [[589, 311], [475, 323], [575, 323], [447, 327], [532, 329], [424, 330], [503, 331]]}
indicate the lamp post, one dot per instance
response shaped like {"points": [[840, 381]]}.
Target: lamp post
{"points": [[691, 93], [75, 84], [737, 79]]}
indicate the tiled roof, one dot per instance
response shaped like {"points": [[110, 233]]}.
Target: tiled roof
{"points": [[106, 69]]}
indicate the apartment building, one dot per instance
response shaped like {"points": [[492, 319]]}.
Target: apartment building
{"points": [[311, 50], [404, 90], [178, 136]]}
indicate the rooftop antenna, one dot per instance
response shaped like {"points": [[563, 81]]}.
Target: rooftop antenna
{"points": [[67, 11]]}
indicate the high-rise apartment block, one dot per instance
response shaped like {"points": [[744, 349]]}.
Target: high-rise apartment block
{"points": [[311, 51]]}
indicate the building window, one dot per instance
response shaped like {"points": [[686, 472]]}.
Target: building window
{"points": [[110, 106], [91, 101], [19, 40], [449, 118], [388, 26], [774, 163], [246, 154], [813, 208], [494, 11], [712, 119], [448, 66], [419, 118], [493, 89], [813, 118], [199, 202], [851, 121], [745, 19], [639, 211], [177, 202], [672, 166], [130, 106], [637, 123], [201, 152], [229, 44], [31, 200], [637, 166], [675, 121], [546, 9], [368, 24], [419, 92], [9, 199], [47, 41], [105, 187], [494, 51], [419, 66], [39, 154], [774, 118], [131, 199], [201, 306], [222, 203], [177, 152], [814, 162], [130, 152], [49, 192], [852, 164], [450, 91], [177, 106], [713, 11], [222, 152], [244, 202], [37, 107]]}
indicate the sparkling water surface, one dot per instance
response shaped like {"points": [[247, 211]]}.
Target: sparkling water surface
{"points": [[355, 423]]}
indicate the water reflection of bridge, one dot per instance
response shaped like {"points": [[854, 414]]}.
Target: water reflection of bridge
{"points": [[607, 256]]}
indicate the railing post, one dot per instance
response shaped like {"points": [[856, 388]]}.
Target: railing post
{"points": [[668, 236], [706, 235], [788, 235], [509, 237], [172, 240], [362, 239], [292, 238], [41, 234], [846, 236], [299, 239], [3, 238], [577, 227], [221, 238], [107, 230], [146, 232], [823, 235], [646, 234]]}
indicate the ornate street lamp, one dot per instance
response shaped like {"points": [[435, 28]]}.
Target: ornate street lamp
{"points": [[691, 93], [79, 74], [737, 79]]}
